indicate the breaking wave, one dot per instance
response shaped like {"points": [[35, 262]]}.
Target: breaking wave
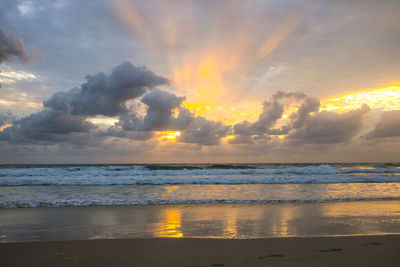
{"points": [[196, 174]]}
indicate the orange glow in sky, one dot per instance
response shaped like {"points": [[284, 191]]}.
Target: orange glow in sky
{"points": [[211, 72], [169, 135], [5, 126], [206, 71], [385, 98]]}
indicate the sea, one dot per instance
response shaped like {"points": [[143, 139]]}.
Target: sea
{"points": [[31, 186]]}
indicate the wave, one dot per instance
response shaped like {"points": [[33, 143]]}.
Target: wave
{"points": [[200, 169], [238, 169], [197, 174], [205, 180], [113, 202]]}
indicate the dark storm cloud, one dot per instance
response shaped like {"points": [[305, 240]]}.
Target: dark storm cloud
{"points": [[46, 126], [330, 127], [12, 46], [241, 139], [184, 119], [387, 126], [66, 113], [204, 132], [309, 105], [160, 107], [128, 122], [159, 116], [129, 132], [106, 94], [283, 130], [273, 110]]}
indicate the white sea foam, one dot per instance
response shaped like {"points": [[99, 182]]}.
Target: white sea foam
{"points": [[217, 179], [76, 203], [142, 175]]}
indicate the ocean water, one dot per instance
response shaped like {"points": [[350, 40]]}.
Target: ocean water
{"points": [[100, 185]]}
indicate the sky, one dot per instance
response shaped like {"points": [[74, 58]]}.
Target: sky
{"points": [[121, 81]]}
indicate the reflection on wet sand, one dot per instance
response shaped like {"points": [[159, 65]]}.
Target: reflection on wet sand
{"points": [[201, 221], [230, 227], [282, 220], [367, 208], [171, 224], [281, 224]]}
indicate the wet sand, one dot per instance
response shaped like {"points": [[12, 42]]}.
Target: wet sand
{"points": [[240, 221], [318, 251]]}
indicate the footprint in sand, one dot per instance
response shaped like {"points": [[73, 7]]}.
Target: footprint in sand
{"points": [[331, 250], [214, 264], [272, 256], [60, 253], [372, 244]]}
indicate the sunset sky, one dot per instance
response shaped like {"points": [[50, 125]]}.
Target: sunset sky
{"points": [[120, 81]]}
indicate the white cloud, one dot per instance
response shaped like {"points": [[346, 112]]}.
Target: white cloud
{"points": [[9, 77]]}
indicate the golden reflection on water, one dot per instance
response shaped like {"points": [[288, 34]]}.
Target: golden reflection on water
{"points": [[281, 225], [230, 227], [171, 225], [370, 208], [232, 220]]}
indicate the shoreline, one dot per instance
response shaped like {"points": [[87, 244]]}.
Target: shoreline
{"points": [[291, 251], [216, 203]]}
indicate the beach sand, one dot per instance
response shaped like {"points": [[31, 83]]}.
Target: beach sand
{"points": [[318, 251]]}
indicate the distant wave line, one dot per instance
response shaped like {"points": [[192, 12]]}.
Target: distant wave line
{"points": [[245, 180]]}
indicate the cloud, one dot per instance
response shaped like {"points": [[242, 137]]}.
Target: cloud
{"points": [[128, 131], [273, 110], [305, 125], [160, 107], [106, 94], [65, 114], [309, 105], [387, 126], [241, 139], [329, 127], [204, 132], [46, 126], [12, 46], [159, 116]]}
